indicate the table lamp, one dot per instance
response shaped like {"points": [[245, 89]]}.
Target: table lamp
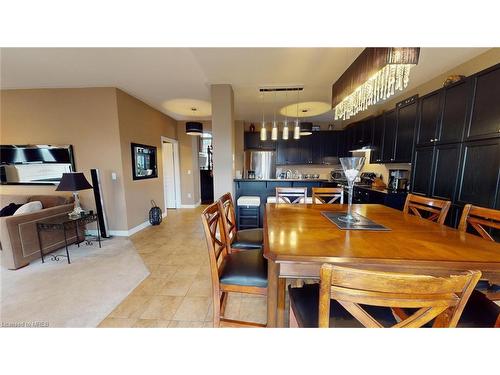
{"points": [[74, 182]]}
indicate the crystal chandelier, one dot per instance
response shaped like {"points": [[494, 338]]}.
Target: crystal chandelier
{"points": [[387, 71]]}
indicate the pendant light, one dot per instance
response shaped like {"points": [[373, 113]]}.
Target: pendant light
{"points": [[285, 124], [296, 130], [306, 128], [274, 130], [194, 128], [263, 132]]}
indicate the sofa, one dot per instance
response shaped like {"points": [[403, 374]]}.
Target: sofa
{"points": [[19, 242]]}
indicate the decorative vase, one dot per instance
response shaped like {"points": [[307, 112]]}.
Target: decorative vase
{"points": [[352, 167]]}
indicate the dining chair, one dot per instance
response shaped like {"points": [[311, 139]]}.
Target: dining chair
{"points": [[241, 272], [291, 194], [243, 239], [351, 297], [433, 209], [481, 220], [327, 195]]}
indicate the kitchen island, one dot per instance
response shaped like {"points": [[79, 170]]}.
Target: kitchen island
{"points": [[267, 188]]}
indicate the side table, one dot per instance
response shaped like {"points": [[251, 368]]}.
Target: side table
{"points": [[66, 224]]}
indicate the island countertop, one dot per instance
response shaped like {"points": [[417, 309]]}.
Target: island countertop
{"points": [[281, 179]]}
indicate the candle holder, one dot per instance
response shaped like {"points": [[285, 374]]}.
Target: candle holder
{"points": [[352, 167]]}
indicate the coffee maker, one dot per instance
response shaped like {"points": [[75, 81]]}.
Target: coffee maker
{"points": [[398, 179]]}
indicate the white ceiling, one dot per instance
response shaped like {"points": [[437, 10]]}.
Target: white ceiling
{"points": [[159, 75]]}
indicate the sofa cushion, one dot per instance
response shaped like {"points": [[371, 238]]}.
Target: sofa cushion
{"points": [[29, 208], [51, 200], [9, 209]]}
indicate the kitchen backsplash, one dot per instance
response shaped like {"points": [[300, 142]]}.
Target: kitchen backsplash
{"points": [[324, 170]]}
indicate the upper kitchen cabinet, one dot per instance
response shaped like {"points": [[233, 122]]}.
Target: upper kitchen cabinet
{"points": [[252, 142], [480, 173], [429, 118], [328, 143], [445, 171], [390, 129], [454, 112], [485, 115], [421, 170], [378, 139], [407, 116]]}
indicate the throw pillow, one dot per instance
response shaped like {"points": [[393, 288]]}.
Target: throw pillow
{"points": [[9, 209], [28, 208]]}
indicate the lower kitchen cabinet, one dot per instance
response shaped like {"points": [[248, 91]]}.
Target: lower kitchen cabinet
{"points": [[394, 200]]}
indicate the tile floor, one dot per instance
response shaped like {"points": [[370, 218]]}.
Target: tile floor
{"points": [[178, 291]]}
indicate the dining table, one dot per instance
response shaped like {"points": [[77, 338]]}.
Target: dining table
{"points": [[298, 239]]}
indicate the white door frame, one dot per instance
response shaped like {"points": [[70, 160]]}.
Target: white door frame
{"points": [[177, 174]]}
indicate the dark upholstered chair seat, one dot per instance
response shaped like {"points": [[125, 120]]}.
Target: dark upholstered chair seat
{"points": [[245, 268], [305, 302], [248, 239], [479, 312]]}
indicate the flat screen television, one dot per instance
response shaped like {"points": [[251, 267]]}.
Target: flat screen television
{"points": [[35, 164]]}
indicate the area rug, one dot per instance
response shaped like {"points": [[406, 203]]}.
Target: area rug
{"points": [[80, 294]]}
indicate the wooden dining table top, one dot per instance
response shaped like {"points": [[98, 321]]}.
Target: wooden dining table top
{"points": [[300, 233]]}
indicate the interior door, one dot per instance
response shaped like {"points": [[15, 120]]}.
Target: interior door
{"points": [[169, 175]]}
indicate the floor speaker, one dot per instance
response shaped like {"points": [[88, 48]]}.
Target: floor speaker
{"points": [[99, 203]]}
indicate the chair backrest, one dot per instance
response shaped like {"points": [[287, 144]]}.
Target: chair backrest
{"points": [[217, 244], [436, 209], [229, 216], [479, 218], [440, 296], [327, 195], [291, 194]]}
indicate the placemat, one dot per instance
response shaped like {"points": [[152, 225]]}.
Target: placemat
{"points": [[363, 224]]}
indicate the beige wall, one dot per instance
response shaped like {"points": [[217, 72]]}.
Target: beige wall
{"points": [[100, 123], [140, 123], [85, 118], [239, 131], [189, 168]]}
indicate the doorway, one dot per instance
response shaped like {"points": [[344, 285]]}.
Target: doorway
{"points": [[171, 175]]}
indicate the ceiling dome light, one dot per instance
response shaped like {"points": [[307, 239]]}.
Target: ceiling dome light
{"points": [[194, 128], [306, 128], [307, 109]]}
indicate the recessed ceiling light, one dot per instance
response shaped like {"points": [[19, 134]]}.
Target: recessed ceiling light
{"points": [[306, 109], [189, 107]]}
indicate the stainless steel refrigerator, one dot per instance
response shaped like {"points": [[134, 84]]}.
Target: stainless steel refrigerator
{"points": [[261, 163]]}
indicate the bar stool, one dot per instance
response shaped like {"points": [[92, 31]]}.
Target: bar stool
{"points": [[248, 211]]}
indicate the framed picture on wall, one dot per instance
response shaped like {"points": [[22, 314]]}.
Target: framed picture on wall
{"points": [[144, 164]]}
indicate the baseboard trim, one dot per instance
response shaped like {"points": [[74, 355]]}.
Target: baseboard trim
{"points": [[122, 233], [191, 205]]}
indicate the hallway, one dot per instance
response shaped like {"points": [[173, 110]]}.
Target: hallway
{"points": [[177, 293]]}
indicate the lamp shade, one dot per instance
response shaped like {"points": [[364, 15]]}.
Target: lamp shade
{"points": [[306, 128], [73, 181], [194, 128]]}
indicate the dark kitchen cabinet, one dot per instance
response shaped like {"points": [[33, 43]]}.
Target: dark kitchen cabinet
{"points": [[252, 142], [454, 112], [429, 118], [422, 170], [485, 116], [292, 152], [389, 136], [378, 139], [480, 173], [328, 145], [305, 149], [405, 133], [281, 146], [445, 171], [343, 150]]}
